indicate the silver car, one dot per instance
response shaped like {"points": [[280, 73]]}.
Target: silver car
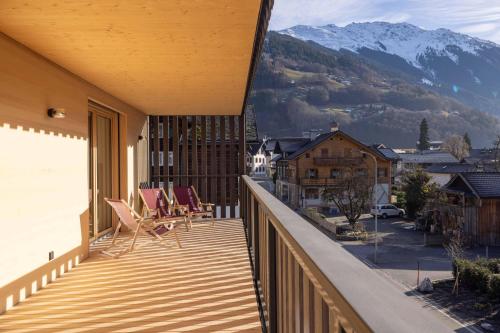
{"points": [[386, 210]]}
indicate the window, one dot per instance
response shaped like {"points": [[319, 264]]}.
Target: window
{"points": [[308, 155], [312, 173], [324, 152], [382, 172], [361, 172], [335, 173], [153, 158], [312, 193]]}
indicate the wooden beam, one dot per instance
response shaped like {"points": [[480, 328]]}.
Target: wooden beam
{"points": [[241, 154], [233, 180], [185, 152], [175, 149], [166, 170], [203, 159], [213, 160], [195, 180], [223, 161], [156, 150]]}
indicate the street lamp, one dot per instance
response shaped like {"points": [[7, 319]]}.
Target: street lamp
{"points": [[375, 202]]}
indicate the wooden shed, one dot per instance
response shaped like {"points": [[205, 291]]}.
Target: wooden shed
{"points": [[472, 208]]}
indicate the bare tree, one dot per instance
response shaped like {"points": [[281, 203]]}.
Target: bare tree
{"points": [[457, 146], [352, 195]]}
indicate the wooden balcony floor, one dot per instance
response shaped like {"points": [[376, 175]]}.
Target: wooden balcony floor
{"points": [[206, 286]]}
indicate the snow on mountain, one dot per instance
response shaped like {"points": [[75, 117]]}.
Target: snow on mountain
{"points": [[401, 39]]}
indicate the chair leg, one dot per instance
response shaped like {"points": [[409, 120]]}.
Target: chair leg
{"points": [[115, 235], [186, 223], [177, 238], [135, 237]]}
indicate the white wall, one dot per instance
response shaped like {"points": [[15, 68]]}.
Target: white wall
{"points": [[43, 162]]}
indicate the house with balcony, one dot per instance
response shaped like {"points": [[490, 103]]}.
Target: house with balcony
{"points": [[92, 97], [322, 163]]}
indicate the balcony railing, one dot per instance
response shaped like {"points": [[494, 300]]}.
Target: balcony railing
{"points": [[334, 160], [309, 283]]}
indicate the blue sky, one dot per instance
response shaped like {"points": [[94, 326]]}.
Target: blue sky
{"points": [[478, 18]]}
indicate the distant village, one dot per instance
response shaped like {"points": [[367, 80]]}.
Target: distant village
{"points": [[302, 168]]}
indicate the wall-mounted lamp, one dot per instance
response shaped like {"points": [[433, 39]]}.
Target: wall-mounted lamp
{"points": [[56, 113]]}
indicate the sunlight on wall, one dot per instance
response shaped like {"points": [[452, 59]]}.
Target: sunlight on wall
{"points": [[44, 192]]}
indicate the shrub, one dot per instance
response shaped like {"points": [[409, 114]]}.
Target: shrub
{"points": [[472, 273], [460, 265], [494, 289], [477, 277]]}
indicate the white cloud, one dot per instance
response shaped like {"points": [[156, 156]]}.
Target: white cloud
{"points": [[479, 18]]}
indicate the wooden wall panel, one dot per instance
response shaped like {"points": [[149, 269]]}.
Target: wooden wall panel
{"points": [[207, 153]]}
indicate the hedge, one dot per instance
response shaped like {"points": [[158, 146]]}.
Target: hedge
{"points": [[481, 274]]}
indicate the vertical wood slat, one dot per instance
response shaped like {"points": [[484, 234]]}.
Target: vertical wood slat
{"points": [[156, 150], [166, 133], [194, 153], [241, 151], [279, 284], [185, 152], [175, 148], [307, 306], [223, 178], [232, 172], [213, 160], [318, 311], [296, 296], [203, 159]]}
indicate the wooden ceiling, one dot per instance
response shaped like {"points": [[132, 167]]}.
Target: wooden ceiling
{"points": [[160, 56]]}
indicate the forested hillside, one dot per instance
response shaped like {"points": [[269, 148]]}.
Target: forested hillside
{"points": [[302, 85]]}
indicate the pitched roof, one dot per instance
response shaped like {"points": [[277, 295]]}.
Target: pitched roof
{"points": [[325, 136], [485, 184], [290, 145], [482, 184], [428, 157], [253, 148], [389, 153], [447, 168]]}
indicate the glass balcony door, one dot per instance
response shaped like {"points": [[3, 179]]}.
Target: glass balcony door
{"points": [[103, 170]]}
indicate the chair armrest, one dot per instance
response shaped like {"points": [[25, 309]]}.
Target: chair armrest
{"points": [[207, 204]]}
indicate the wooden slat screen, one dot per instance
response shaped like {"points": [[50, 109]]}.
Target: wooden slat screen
{"points": [[207, 152]]}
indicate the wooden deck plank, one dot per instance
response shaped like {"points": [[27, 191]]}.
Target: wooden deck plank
{"points": [[205, 286]]}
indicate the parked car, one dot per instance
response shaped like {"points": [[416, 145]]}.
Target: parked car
{"points": [[386, 211]]}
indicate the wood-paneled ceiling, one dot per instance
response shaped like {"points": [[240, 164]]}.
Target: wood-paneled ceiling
{"points": [[160, 56]]}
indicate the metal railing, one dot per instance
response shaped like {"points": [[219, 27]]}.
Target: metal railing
{"points": [[309, 283]]}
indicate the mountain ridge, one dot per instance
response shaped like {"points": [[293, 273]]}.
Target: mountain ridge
{"points": [[302, 85], [452, 63]]}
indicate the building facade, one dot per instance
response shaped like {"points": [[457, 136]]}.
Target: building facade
{"points": [[320, 164]]}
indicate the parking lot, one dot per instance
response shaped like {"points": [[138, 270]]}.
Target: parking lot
{"points": [[401, 251]]}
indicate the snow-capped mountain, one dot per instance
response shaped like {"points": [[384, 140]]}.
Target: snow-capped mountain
{"points": [[402, 39], [455, 64]]}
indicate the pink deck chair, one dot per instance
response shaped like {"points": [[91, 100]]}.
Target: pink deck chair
{"points": [[157, 206], [186, 196], [135, 223]]}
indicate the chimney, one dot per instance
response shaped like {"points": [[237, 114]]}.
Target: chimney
{"points": [[334, 126]]}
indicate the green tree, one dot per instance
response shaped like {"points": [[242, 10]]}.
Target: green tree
{"points": [[423, 141], [467, 140], [418, 188]]}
